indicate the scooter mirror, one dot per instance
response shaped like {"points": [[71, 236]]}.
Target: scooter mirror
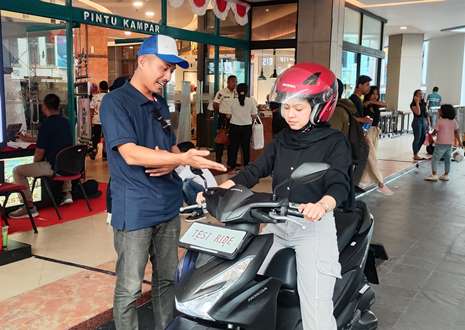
{"points": [[308, 172]]}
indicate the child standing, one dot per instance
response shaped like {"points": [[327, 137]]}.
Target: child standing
{"points": [[447, 131]]}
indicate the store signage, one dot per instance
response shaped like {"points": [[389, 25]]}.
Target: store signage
{"points": [[108, 20]]}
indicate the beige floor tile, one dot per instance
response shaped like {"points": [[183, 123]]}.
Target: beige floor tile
{"points": [[28, 274], [89, 241]]}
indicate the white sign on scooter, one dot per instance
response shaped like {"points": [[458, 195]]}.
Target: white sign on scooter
{"points": [[213, 238]]}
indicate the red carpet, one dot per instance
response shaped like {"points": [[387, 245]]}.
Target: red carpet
{"points": [[75, 211]]}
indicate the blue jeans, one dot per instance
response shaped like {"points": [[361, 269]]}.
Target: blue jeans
{"points": [[441, 151], [190, 189], [419, 133], [134, 249]]}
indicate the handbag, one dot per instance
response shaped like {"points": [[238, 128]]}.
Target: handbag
{"points": [[258, 135], [222, 136]]}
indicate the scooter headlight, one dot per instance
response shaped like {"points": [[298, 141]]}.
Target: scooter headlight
{"points": [[214, 290], [228, 276]]}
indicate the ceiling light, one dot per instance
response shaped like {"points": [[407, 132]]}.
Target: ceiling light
{"points": [[128, 33], [460, 28], [267, 10], [138, 4], [403, 28], [149, 13]]}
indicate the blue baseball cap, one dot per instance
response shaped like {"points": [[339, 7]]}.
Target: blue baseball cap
{"points": [[163, 47]]}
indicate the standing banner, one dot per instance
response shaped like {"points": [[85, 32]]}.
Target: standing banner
{"points": [[84, 120]]}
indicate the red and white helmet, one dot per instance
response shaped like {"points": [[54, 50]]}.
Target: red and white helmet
{"points": [[312, 82]]}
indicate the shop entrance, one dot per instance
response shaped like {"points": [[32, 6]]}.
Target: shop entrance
{"points": [[111, 53]]}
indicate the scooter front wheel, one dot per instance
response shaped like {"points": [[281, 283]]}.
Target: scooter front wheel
{"points": [[367, 321]]}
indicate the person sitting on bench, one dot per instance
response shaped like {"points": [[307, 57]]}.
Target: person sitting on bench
{"points": [[54, 135]]}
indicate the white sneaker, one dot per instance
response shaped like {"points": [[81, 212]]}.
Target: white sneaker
{"points": [[432, 178], [68, 199], [444, 177], [22, 213]]}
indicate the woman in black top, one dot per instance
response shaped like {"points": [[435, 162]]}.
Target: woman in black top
{"points": [[371, 105], [307, 94], [419, 124]]}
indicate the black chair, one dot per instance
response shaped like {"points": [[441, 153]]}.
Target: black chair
{"points": [[69, 166], [6, 189]]}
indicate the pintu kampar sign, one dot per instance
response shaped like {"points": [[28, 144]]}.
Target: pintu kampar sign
{"points": [[119, 22]]}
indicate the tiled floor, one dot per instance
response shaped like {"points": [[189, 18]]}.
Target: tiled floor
{"points": [[90, 242], [423, 230]]}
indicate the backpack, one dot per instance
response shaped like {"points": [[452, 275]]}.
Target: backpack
{"points": [[357, 139], [90, 187]]}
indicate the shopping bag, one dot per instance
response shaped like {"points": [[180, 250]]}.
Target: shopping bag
{"points": [[222, 136], [258, 137]]}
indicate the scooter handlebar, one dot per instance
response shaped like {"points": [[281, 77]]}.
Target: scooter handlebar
{"points": [[189, 208]]}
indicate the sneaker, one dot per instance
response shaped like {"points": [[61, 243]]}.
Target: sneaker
{"points": [[444, 177], [432, 178], [196, 216], [22, 213], [385, 191], [68, 199]]}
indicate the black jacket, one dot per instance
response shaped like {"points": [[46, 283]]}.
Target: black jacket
{"points": [[289, 149]]}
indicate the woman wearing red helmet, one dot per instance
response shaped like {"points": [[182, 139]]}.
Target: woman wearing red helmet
{"points": [[307, 96]]}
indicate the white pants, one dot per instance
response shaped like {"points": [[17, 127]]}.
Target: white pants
{"points": [[372, 172], [317, 267]]}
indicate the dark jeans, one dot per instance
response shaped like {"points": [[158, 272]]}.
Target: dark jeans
{"points": [[96, 135], [360, 163], [419, 133], [109, 196], [190, 189], [223, 122], [133, 249], [239, 136]]}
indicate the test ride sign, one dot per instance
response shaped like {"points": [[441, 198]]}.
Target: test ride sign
{"points": [[118, 22], [213, 239]]}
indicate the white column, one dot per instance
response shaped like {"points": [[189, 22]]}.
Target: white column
{"points": [[403, 70], [446, 67]]}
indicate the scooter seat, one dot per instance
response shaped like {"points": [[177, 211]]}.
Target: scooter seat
{"points": [[283, 267]]}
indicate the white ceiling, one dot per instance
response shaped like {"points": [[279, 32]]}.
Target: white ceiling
{"points": [[428, 18]]}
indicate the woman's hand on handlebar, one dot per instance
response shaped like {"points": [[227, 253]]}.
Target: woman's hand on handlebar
{"points": [[312, 211]]}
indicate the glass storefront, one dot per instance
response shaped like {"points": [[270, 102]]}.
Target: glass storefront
{"points": [[371, 34], [264, 62], [232, 62], [362, 48], [369, 67], [105, 37], [107, 33], [34, 64], [352, 21], [349, 72]]}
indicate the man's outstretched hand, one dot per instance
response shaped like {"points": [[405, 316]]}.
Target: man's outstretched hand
{"points": [[196, 158]]}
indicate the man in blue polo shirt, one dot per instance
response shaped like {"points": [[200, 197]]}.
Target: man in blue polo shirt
{"points": [[146, 192]]}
